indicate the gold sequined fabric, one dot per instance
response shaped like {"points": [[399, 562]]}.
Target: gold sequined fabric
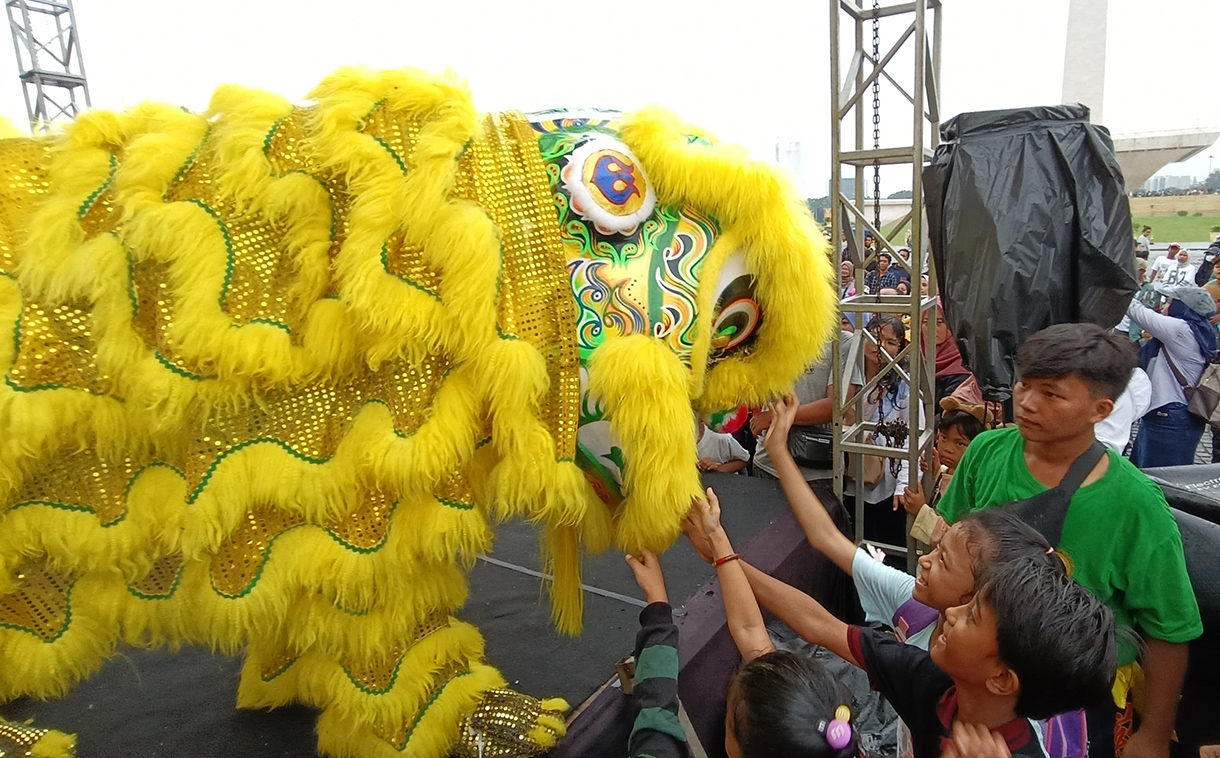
{"points": [[40, 606], [500, 727], [69, 347], [401, 735], [499, 172], [24, 166], [18, 739], [161, 581], [80, 480], [57, 349]]}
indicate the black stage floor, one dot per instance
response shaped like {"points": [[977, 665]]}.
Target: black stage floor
{"points": [[155, 704]]}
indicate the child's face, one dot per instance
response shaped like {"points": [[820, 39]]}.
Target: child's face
{"points": [[946, 575], [966, 648], [951, 444]]}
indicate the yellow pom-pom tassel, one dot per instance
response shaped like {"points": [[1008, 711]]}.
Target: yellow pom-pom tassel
{"points": [[54, 744], [555, 705]]}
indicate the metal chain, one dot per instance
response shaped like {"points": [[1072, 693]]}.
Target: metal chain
{"points": [[877, 119]]}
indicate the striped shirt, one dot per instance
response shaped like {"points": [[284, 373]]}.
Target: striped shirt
{"points": [[657, 733]]}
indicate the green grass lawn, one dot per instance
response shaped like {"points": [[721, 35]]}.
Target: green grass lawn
{"points": [[1179, 228]]}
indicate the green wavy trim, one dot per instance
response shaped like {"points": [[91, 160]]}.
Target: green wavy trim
{"points": [[257, 574], [8, 380], [372, 690], [420, 716], [179, 370], [190, 161], [270, 545], [385, 264], [86, 509], [224, 230], [397, 158], [131, 279], [380, 141], [455, 504], [272, 322], [207, 475], [279, 671], [62, 629], [89, 201], [365, 550], [271, 135], [172, 590]]}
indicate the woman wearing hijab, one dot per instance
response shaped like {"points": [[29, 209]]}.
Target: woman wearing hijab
{"points": [[1183, 343], [952, 376], [847, 279]]}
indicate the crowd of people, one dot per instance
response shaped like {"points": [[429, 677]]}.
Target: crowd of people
{"points": [[1174, 318], [1028, 630]]}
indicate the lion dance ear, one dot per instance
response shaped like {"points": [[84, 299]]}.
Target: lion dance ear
{"points": [[763, 217], [26, 739]]}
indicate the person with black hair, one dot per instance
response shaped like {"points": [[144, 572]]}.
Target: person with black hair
{"points": [[1146, 239], [887, 407], [786, 704], [778, 703], [980, 669], [1118, 533], [948, 575], [959, 423], [886, 276]]}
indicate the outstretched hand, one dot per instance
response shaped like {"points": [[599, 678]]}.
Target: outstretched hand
{"points": [[647, 570], [783, 415]]}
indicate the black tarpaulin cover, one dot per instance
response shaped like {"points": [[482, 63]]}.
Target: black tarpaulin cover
{"points": [[1030, 226]]}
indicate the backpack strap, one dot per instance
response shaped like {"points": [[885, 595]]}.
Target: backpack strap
{"points": [[1174, 368], [1080, 468]]}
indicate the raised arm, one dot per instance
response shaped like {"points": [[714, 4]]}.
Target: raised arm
{"points": [[741, 610], [1164, 328], [805, 615], [812, 515]]}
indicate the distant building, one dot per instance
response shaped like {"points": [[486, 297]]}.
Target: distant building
{"points": [[1163, 183], [789, 156], [847, 185]]}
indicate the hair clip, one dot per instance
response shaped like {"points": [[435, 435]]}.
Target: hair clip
{"points": [[838, 731]]}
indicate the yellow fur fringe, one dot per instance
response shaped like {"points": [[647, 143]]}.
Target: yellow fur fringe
{"points": [[359, 603]]}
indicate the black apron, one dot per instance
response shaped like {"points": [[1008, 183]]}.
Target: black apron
{"points": [[1047, 511]]}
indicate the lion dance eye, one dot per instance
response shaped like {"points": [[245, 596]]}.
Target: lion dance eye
{"points": [[738, 317]]}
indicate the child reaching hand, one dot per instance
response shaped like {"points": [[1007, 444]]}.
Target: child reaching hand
{"points": [[1029, 644], [911, 606], [777, 704]]}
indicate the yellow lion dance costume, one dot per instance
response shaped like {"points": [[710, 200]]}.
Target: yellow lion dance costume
{"points": [[275, 371]]}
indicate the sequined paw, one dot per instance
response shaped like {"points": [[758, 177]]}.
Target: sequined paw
{"points": [[507, 724], [28, 740]]}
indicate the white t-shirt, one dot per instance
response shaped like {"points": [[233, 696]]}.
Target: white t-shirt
{"points": [[883, 590], [1114, 430], [1173, 272], [721, 448]]}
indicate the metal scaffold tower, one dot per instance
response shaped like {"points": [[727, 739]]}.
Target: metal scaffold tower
{"points": [[856, 431], [51, 69]]}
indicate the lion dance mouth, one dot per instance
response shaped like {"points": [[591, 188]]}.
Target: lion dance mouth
{"points": [[276, 371]]}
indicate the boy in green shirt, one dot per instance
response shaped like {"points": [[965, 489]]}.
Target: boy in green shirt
{"points": [[1119, 535]]}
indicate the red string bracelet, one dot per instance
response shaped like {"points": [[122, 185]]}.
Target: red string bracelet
{"points": [[721, 561]]}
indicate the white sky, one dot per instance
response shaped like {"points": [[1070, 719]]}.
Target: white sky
{"points": [[754, 71]]}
